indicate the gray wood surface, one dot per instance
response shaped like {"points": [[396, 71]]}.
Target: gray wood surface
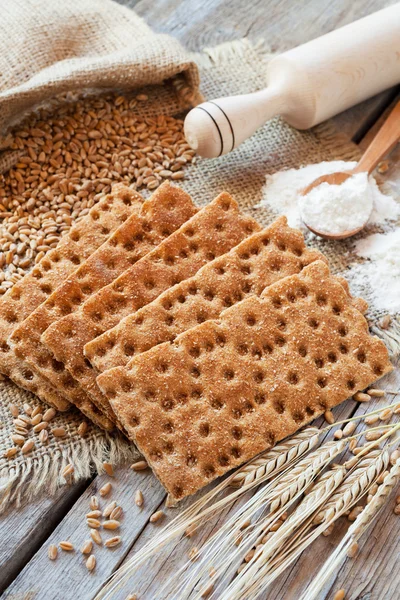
{"points": [[26, 533]]}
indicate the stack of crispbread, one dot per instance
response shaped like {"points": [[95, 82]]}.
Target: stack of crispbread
{"points": [[203, 337]]}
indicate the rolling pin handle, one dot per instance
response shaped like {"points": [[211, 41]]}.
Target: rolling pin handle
{"points": [[215, 128]]}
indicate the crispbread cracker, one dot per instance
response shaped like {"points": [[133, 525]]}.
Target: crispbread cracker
{"points": [[19, 302], [230, 388], [213, 231], [167, 209], [258, 261]]}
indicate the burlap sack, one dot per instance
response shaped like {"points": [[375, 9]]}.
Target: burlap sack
{"points": [[231, 68], [47, 48]]}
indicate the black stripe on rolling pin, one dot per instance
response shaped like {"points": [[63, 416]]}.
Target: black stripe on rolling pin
{"points": [[216, 125], [229, 123]]}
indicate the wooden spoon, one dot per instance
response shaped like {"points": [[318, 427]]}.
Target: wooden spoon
{"points": [[384, 141]]}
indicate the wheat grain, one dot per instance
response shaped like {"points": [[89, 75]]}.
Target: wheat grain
{"points": [[113, 541], [68, 470], [141, 465], [339, 595], [52, 552], [28, 447], [139, 498], [82, 429], [34, 411], [159, 514], [349, 428], [66, 546], [40, 427], [116, 513], [94, 503], [87, 547], [91, 562], [19, 440], [376, 393], [36, 419], [329, 418], [105, 490], [93, 514], [109, 508], [93, 523], [361, 397], [13, 410], [96, 537], [111, 524], [59, 432], [43, 436], [108, 468], [49, 414]]}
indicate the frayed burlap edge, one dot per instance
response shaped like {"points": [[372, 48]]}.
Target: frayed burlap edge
{"points": [[22, 483]]}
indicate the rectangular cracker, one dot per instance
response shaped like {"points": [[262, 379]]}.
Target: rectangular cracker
{"points": [[230, 388], [167, 209], [214, 230], [23, 298], [252, 265]]}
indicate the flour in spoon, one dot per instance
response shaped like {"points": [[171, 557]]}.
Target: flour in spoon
{"points": [[282, 192]]}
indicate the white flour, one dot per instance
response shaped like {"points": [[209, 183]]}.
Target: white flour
{"points": [[381, 273], [338, 208], [281, 192]]}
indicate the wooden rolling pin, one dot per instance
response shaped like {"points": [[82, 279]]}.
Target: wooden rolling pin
{"points": [[306, 85]]}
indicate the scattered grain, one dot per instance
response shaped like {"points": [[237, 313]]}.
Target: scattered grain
{"points": [[13, 408], [82, 429], [328, 530], [109, 508], [52, 552], [349, 428], [106, 489], [94, 503], [159, 514], [28, 410], [386, 414], [40, 426], [371, 436], [96, 537], [18, 439], [139, 498], [116, 513], [338, 434], [328, 416], [207, 591], [35, 411], [68, 470], [361, 397], [66, 546], [397, 509], [49, 414], [352, 445], [28, 447], [108, 468], [394, 457], [111, 524], [87, 547], [339, 595], [59, 432], [113, 541], [91, 562], [44, 436], [36, 419], [141, 465], [371, 420], [93, 523], [376, 393]]}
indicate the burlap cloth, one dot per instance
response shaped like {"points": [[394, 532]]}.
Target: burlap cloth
{"points": [[127, 54]]}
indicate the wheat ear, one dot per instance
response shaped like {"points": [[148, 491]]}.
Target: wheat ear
{"points": [[357, 529], [295, 481], [277, 458], [356, 484]]}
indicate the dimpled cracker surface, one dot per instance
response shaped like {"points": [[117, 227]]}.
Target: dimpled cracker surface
{"points": [[230, 388], [258, 261], [167, 209], [23, 298], [214, 230]]}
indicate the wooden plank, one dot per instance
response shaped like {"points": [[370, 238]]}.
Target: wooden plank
{"points": [[23, 531], [68, 573]]}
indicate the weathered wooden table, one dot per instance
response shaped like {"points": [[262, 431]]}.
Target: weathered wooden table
{"points": [[25, 570]]}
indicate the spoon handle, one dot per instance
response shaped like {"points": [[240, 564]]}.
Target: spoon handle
{"points": [[384, 141]]}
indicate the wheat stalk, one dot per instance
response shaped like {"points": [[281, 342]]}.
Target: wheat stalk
{"points": [[277, 458], [357, 529]]}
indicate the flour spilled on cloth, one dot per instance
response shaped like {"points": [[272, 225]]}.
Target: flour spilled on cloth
{"points": [[282, 190], [380, 274]]}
